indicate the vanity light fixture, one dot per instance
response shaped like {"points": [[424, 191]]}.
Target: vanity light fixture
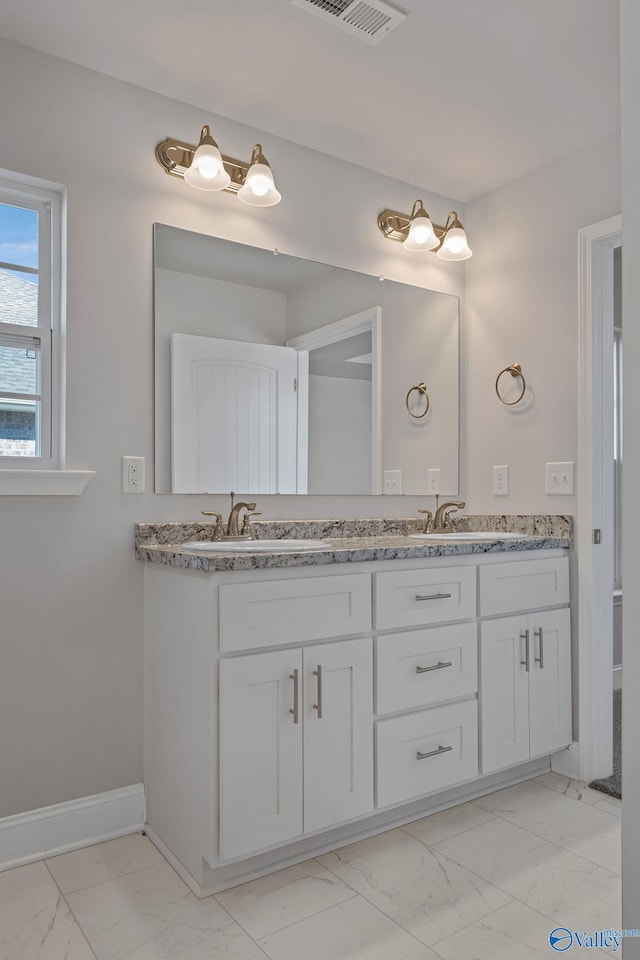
{"points": [[204, 167], [416, 232]]}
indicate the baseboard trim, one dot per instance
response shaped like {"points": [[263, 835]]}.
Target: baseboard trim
{"points": [[567, 762], [617, 677], [36, 834]]}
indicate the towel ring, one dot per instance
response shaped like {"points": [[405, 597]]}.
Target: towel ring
{"points": [[421, 388], [516, 371]]}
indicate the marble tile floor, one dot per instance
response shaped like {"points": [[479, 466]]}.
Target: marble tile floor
{"points": [[486, 880]]}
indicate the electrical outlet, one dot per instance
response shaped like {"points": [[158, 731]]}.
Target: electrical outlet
{"points": [[392, 482], [501, 481], [133, 474], [433, 480], [560, 479]]}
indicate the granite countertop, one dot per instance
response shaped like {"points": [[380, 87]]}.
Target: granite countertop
{"points": [[347, 541]]}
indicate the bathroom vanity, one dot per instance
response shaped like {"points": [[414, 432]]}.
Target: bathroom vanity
{"points": [[294, 703]]}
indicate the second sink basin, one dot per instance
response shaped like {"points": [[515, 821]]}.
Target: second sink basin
{"points": [[253, 546], [469, 535]]}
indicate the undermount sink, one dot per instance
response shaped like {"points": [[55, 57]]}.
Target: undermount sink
{"points": [[469, 535], [253, 546]]}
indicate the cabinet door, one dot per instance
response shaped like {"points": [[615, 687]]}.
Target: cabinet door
{"points": [[504, 692], [260, 751], [550, 682], [338, 732]]}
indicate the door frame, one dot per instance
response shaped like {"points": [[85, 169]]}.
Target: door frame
{"points": [[596, 244]]}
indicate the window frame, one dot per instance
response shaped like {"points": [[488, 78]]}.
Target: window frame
{"points": [[49, 203]]}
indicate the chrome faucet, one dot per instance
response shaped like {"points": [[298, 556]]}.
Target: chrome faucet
{"points": [[442, 519], [232, 531]]}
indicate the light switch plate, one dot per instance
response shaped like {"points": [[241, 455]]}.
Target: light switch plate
{"points": [[392, 482], [560, 479], [501, 481]]}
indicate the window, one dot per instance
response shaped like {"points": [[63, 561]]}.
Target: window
{"points": [[30, 326]]}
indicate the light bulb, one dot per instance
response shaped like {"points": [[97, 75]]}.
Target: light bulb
{"points": [[259, 189], [421, 235], [207, 168], [455, 246]]}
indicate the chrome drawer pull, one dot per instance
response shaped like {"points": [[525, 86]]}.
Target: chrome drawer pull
{"points": [[432, 753], [437, 666], [296, 699], [433, 596], [318, 706], [526, 662], [540, 659]]}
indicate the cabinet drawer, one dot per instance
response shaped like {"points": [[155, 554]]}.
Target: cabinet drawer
{"points": [[254, 615], [426, 666], [523, 585], [449, 738], [410, 598]]}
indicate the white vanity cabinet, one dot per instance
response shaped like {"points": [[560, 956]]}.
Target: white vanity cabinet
{"points": [[296, 743], [291, 710]]}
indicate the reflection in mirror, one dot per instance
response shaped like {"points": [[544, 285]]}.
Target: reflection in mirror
{"points": [[275, 374]]}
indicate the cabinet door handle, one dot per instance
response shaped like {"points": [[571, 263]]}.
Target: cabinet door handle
{"points": [[318, 706], [540, 633], [526, 662], [296, 696], [440, 665], [432, 753], [433, 596]]}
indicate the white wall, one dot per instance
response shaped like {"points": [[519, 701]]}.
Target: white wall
{"points": [[340, 432], [630, 31], [71, 590], [522, 305]]}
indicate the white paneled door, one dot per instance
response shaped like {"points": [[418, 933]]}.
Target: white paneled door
{"points": [[338, 732], [550, 682], [260, 751], [233, 416], [504, 693]]}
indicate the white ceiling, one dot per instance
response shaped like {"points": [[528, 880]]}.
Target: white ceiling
{"points": [[460, 98]]}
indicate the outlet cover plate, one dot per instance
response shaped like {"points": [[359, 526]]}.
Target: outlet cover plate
{"points": [[433, 481], [133, 474], [501, 481]]}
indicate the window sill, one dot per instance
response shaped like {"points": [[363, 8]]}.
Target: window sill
{"points": [[44, 483]]}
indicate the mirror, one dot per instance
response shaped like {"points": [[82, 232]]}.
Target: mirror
{"points": [[275, 374]]}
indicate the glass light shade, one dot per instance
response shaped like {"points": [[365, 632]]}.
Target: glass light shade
{"points": [[455, 246], [259, 190], [421, 234], [207, 170]]}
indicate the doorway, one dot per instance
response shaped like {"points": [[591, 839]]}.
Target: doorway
{"points": [[595, 540]]}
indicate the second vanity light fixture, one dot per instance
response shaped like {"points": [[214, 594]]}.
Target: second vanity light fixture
{"points": [[204, 167], [416, 232]]}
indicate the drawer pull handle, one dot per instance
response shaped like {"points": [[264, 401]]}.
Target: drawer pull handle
{"points": [[433, 596], [296, 698], [440, 665], [540, 633], [432, 753], [526, 662], [318, 706]]}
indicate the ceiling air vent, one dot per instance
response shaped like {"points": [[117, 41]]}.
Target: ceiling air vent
{"points": [[371, 20]]}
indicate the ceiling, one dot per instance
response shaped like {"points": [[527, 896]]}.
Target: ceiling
{"points": [[460, 98]]}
